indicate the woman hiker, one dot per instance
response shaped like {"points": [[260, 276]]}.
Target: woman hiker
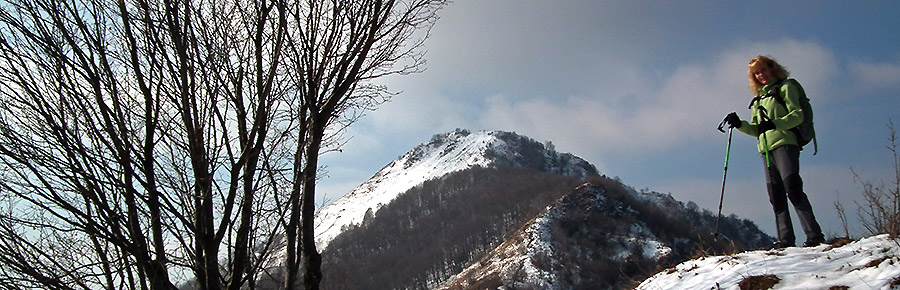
{"points": [[771, 123]]}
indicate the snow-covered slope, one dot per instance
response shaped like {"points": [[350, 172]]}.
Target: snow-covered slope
{"points": [[494, 209], [602, 235], [871, 263], [454, 151], [551, 251]]}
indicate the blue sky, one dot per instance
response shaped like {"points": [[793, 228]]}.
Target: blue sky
{"points": [[638, 87]]}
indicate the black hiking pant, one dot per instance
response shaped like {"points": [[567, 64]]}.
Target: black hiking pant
{"points": [[784, 183]]}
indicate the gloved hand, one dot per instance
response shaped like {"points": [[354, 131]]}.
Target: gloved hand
{"points": [[733, 120], [765, 126]]}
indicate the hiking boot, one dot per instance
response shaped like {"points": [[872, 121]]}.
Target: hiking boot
{"points": [[781, 245], [814, 242]]}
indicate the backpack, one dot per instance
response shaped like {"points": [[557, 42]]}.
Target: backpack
{"points": [[805, 132]]}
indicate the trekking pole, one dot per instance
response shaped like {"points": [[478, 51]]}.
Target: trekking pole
{"points": [[763, 116], [716, 233]]}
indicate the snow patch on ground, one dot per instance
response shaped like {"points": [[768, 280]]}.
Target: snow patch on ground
{"points": [[871, 263], [540, 251]]}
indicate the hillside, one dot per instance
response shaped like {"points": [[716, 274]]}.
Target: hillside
{"points": [[601, 236], [443, 154], [433, 230], [464, 198]]}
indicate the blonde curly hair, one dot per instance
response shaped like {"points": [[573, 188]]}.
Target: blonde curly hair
{"points": [[778, 71]]}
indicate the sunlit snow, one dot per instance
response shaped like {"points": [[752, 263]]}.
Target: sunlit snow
{"points": [[456, 151], [871, 263], [398, 177]]}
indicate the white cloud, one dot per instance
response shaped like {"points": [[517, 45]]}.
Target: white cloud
{"points": [[876, 75], [629, 86], [687, 106]]}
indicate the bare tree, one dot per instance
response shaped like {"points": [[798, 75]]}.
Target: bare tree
{"points": [[342, 46], [880, 209], [842, 215], [145, 144], [132, 140]]}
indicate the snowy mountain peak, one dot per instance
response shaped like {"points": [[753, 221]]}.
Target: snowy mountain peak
{"points": [[454, 151]]}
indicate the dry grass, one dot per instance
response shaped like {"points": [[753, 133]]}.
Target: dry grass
{"points": [[759, 282]]}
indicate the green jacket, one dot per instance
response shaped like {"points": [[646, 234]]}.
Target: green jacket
{"points": [[783, 118]]}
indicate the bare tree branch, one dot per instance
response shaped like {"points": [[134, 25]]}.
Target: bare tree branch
{"points": [[150, 144], [880, 209]]}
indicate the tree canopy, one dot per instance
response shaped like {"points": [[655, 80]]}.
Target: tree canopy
{"points": [[146, 144]]}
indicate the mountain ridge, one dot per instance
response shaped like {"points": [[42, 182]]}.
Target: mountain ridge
{"points": [[429, 160], [463, 197], [603, 235]]}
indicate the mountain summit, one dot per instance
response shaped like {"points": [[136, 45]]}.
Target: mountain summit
{"points": [[495, 209], [443, 154]]}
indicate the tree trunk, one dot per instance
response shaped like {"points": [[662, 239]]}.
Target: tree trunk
{"points": [[312, 260]]}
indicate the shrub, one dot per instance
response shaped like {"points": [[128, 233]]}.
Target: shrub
{"points": [[880, 210]]}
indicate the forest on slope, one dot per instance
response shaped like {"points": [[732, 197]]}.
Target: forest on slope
{"points": [[442, 226]]}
